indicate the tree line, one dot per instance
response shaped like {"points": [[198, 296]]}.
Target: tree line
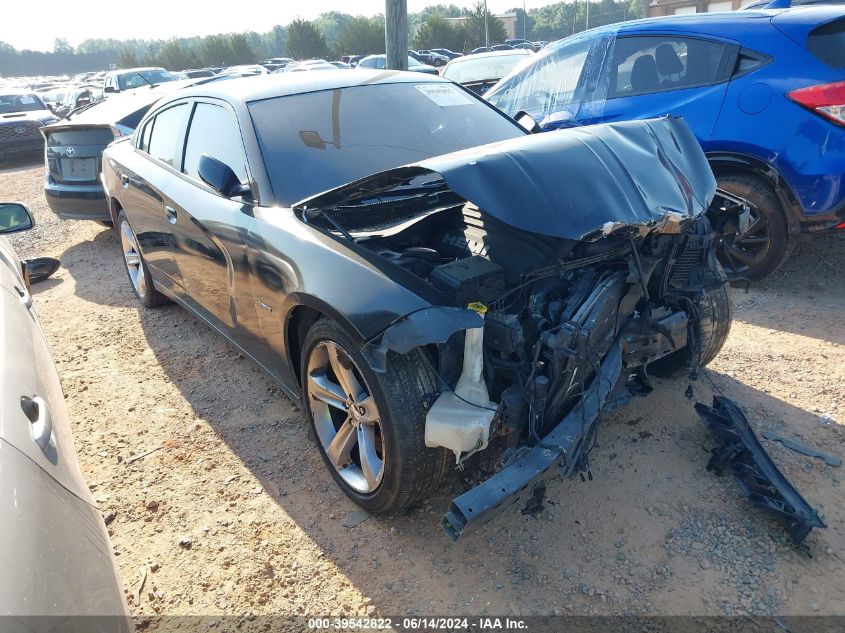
{"points": [[329, 36]]}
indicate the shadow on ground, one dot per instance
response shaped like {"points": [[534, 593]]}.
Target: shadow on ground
{"points": [[632, 530], [806, 296]]}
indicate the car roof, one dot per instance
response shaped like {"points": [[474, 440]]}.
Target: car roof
{"points": [[712, 21], [522, 52], [122, 104], [136, 70], [248, 89]]}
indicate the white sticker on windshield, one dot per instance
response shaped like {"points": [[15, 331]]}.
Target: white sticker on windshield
{"points": [[27, 100], [444, 94]]}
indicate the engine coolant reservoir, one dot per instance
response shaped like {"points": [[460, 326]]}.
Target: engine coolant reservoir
{"points": [[460, 420]]}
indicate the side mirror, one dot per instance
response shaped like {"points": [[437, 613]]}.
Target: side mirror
{"points": [[41, 268], [220, 177], [527, 122], [109, 89], [14, 217]]}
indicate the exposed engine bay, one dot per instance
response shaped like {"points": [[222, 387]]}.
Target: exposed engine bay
{"points": [[558, 277], [551, 308]]}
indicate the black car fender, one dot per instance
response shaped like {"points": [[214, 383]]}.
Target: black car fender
{"points": [[426, 326]]}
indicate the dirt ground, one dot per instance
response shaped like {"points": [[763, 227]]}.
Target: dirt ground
{"points": [[234, 512]]}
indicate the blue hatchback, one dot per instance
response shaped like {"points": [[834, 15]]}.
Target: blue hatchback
{"points": [[764, 92]]}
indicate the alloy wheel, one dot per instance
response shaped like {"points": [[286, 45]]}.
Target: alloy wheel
{"points": [[346, 418], [744, 238], [132, 258]]}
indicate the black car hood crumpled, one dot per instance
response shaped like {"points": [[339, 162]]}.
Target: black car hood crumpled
{"points": [[574, 183]]}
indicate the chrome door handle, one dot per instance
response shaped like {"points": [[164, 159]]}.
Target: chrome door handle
{"points": [[125, 180], [41, 422], [171, 214], [25, 297]]}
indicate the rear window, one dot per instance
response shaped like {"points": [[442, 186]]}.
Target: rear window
{"points": [[91, 136], [827, 42]]}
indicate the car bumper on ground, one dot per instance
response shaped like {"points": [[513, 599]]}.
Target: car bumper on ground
{"points": [[480, 504], [77, 202]]}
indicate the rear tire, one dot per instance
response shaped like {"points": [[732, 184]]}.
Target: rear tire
{"points": [[715, 314], [760, 249], [136, 267], [410, 470]]}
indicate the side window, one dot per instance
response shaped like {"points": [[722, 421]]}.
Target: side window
{"points": [[214, 132], [168, 134], [643, 65], [144, 137], [748, 61]]}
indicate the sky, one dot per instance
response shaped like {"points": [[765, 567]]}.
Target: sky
{"points": [[78, 20]]}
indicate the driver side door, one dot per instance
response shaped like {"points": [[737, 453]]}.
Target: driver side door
{"points": [[209, 230]]}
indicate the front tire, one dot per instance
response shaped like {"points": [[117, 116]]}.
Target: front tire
{"points": [[136, 267], [370, 427], [756, 248], [709, 332]]}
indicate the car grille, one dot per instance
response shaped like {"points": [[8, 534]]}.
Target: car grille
{"points": [[12, 131], [689, 264]]}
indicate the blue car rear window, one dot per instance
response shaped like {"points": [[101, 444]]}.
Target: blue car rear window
{"points": [[827, 42]]}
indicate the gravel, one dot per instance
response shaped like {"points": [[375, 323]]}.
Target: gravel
{"points": [[231, 515]]}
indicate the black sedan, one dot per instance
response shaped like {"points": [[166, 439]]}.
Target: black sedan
{"points": [[425, 277]]}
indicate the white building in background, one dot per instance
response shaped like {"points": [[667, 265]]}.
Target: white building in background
{"points": [[679, 7]]}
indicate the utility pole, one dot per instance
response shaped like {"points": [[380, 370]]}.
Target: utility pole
{"points": [[574, 15], [524, 20], [396, 34], [587, 27], [486, 28]]}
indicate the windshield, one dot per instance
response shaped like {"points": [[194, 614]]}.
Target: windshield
{"points": [[20, 103], [52, 97], [413, 62], [140, 78], [321, 140], [481, 68]]}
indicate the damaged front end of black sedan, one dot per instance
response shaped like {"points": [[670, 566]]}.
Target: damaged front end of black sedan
{"points": [[571, 265]]}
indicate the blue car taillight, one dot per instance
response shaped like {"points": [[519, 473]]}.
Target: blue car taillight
{"points": [[828, 100]]}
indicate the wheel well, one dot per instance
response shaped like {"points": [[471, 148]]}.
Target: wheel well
{"points": [[301, 319], [114, 210], [788, 202]]}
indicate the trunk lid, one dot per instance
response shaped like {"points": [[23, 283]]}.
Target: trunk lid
{"points": [[74, 152]]}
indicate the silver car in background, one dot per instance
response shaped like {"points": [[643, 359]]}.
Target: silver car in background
{"points": [[56, 561]]}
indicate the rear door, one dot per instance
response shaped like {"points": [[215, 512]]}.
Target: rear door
{"points": [[209, 230], [146, 195], [654, 75]]}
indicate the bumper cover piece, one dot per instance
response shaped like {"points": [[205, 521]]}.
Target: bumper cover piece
{"points": [[760, 479], [564, 443]]}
